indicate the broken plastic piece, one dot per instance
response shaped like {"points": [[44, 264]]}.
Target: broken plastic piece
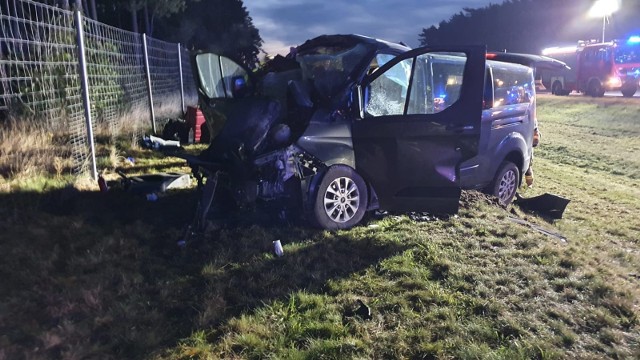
{"points": [[549, 205], [102, 184], [277, 248], [363, 311], [154, 142]]}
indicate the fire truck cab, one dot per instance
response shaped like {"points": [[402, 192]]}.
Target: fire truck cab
{"points": [[595, 68]]}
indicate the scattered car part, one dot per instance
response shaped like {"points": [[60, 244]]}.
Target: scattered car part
{"points": [[539, 229], [154, 142], [154, 183], [546, 204]]}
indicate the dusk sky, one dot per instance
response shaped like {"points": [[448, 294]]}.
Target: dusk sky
{"points": [[285, 23]]}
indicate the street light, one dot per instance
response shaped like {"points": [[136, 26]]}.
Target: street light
{"points": [[604, 9]]}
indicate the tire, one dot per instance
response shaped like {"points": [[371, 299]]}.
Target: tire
{"points": [[628, 91], [505, 183], [595, 88], [556, 88], [341, 199]]}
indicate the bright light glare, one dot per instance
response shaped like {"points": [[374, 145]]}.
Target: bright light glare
{"points": [[559, 50], [604, 8], [634, 40], [615, 82]]}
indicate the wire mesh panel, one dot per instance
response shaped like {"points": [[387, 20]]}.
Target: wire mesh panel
{"points": [[164, 69], [189, 84], [117, 81], [41, 81], [38, 70]]}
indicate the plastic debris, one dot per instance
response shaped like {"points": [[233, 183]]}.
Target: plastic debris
{"points": [[102, 184], [363, 311], [549, 205], [152, 197], [154, 142], [277, 248], [539, 229]]}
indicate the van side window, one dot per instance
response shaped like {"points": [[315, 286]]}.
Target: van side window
{"points": [[436, 84], [443, 77], [512, 86]]}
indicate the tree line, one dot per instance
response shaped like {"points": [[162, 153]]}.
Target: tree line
{"points": [[531, 25], [224, 26]]}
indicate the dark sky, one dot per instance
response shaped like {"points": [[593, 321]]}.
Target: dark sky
{"points": [[285, 23]]}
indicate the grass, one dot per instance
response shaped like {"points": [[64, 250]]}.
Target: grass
{"points": [[33, 151], [93, 275]]}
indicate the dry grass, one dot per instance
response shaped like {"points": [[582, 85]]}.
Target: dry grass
{"points": [[28, 149]]}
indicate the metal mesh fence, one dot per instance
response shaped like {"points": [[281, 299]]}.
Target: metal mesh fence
{"points": [[117, 79], [164, 68], [38, 70], [41, 81]]}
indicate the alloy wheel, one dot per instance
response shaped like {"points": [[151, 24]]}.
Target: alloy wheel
{"points": [[341, 199], [507, 187]]}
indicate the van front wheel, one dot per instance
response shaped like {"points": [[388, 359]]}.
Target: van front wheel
{"points": [[505, 183], [341, 199]]}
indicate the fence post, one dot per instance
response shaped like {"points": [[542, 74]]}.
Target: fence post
{"points": [[149, 89], [181, 78], [84, 79]]}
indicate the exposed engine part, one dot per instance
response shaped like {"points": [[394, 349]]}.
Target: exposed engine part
{"points": [[276, 168]]}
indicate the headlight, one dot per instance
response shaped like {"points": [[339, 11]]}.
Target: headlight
{"points": [[615, 82]]}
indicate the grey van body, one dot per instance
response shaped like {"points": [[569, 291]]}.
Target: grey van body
{"points": [[507, 127], [347, 123]]}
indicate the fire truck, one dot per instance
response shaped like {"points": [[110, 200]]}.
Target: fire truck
{"points": [[595, 68]]}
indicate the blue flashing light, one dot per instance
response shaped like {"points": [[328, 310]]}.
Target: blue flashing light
{"points": [[634, 40]]}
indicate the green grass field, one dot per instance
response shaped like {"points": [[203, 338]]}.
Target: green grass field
{"points": [[87, 275]]}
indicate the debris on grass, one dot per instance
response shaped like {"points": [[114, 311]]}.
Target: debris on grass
{"points": [[539, 228]]}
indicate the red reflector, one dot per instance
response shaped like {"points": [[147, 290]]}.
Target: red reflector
{"points": [[490, 56]]}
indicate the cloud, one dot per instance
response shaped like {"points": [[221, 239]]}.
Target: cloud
{"points": [[284, 23]]}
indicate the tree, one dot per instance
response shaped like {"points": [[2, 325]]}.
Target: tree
{"points": [[149, 11], [221, 26]]}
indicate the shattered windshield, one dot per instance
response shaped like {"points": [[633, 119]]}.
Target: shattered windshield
{"points": [[328, 68]]}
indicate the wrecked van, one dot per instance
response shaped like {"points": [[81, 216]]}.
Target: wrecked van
{"points": [[346, 124]]}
